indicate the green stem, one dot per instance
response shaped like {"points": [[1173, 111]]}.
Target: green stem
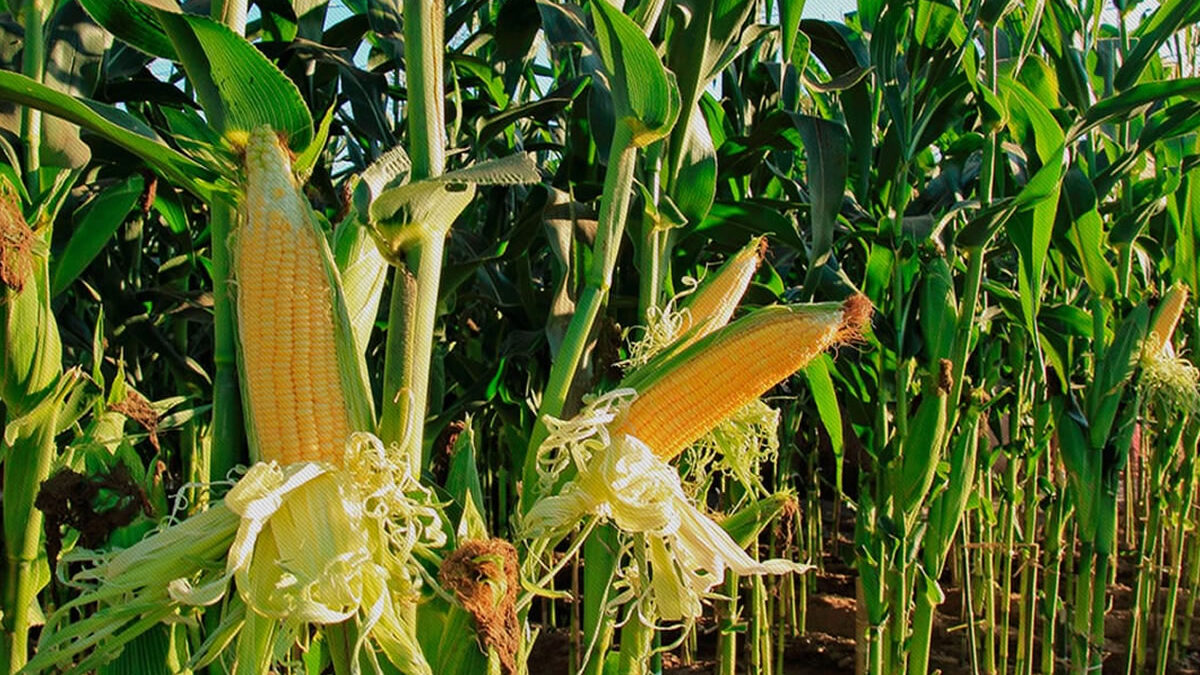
{"points": [[614, 205], [1100, 583], [412, 318], [600, 550], [1082, 617], [969, 599], [962, 331], [1183, 499], [424, 49], [726, 624], [1051, 602], [1147, 577], [1029, 573], [649, 257], [760, 628], [1193, 586], [27, 465], [232, 13], [1006, 567], [412, 312], [228, 433], [636, 635], [988, 582], [33, 65], [922, 626]]}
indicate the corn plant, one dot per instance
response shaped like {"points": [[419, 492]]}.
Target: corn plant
{"points": [[494, 290]]}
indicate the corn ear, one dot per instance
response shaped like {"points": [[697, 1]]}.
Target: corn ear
{"points": [[1166, 317], [30, 347], [921, 448], [685, 394], [946, 509], [303, 382], [748, 522], [716, 298]]}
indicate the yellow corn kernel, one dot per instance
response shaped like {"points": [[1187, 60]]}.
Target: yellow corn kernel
{"points": [[1165, 319], [285, 301], [713, 303], [718, 375]]}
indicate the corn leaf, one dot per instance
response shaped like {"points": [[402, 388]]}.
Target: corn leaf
{"points": [[1168, 19], [1086, 232], [825, 152], [93, 229], [134, 23], [237, 86], [115, 126], [462, 481], [820, 384], [748, 522], [1134, 102], [642, 89]]}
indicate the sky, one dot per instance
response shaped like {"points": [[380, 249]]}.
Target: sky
{"points": [[813, 9]]}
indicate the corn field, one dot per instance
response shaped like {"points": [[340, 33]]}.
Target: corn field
{"points": [[577, 336]]}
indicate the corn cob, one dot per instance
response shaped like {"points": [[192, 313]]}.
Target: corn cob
{"points": [[713, 303], [683, 397], [296, 389], [1165, 319]]}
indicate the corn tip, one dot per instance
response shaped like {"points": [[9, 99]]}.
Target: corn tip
{"points": [[856, 314]]}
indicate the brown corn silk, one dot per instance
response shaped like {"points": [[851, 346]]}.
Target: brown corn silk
{"points": [[483, 576], [16, 240]]}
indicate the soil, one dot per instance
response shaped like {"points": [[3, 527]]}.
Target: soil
{"points": [[827, 648]]}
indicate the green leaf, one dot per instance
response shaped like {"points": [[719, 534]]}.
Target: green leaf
{"points": [[642, 88], [1086, 232], [1029, 113], [133, 23], [702, 37], [166, 202], [406, 215], [1134, 102], [403, 215], [1175, 120], [238, 87], [748, 522], [939, 309], [1167, 19], [145, 654], [93, 229], [1081, 463], [115, 126], [820, 384], [825, 154], [732, 223], [307, 159], [843, 53], [1113, 372], [462, 481], [935, 21], [75, 51], [363, 272], [790, 13], [695, 186], [945, 513], [546, 107], [517, 24], [1031, 228]]}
